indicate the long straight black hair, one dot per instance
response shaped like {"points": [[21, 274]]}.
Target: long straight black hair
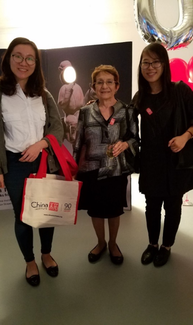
{"points": [[143, 84], [36, 83]]}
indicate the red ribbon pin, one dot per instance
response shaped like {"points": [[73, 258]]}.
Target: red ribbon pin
{"points": [[149, 111], [112, 121]]}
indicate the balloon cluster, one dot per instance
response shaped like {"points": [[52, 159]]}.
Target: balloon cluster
{"points": [[181, 70], [150, 30]]}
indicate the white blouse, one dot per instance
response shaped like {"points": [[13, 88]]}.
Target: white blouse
{"points": [[24, 119]]}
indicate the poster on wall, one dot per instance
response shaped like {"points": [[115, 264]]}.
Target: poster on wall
{"points": [[5, 202]]}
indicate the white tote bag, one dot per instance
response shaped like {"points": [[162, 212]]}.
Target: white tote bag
{"points": [[50, 200]]}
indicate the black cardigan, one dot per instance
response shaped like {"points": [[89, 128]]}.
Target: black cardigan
{"points": [[159, 175]]}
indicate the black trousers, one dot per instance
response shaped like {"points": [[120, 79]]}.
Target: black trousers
{"points": [[14, 182], [173, 207]]}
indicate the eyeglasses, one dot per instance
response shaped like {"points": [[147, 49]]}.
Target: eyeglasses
{"points": [[30, 60], [155, 64], [108, 82]]}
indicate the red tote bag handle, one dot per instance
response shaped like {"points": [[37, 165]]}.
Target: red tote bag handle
{"points": [[61, 159], [70, 160], [43, 165]]}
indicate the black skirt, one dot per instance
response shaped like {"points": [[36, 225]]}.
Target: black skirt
{"points": [[104, 198]]}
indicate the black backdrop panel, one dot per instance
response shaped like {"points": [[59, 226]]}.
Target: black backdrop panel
{"points": [[84, 60]]}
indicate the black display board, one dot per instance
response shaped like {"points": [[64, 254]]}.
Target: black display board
{"points": [[84, 59]]}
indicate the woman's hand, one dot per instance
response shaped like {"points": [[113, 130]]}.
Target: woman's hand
{"points": [[177, 143], [119, 147], [2, 184], [32, 152]]}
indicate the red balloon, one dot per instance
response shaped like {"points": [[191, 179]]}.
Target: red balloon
{"points": [[190, 69], [179, 70], [190, 84]]}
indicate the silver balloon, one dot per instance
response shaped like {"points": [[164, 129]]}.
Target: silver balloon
{"points": [[150, 30]]}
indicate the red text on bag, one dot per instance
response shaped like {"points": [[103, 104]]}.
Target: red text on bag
{"points": [[53, 206]]}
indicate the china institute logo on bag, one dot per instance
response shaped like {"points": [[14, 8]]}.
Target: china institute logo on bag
{"points": [[49, 213], [51, 206]]}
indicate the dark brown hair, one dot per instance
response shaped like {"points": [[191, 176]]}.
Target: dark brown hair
{"points": [[35, 85], [143, 85]]}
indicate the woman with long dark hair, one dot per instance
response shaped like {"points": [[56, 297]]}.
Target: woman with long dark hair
{"points": [[28, 114], [161, 105]]}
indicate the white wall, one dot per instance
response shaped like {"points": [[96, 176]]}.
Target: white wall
{"points": [[61, 23]]}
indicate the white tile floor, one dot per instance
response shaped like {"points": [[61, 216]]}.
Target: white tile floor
{"points": [[99, 294]]}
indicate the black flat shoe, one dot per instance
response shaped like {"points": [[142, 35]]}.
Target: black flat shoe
{"points": [[51, 270], [33, 280], [116, 259], [149, 254], [95, 257], [162, 256]]}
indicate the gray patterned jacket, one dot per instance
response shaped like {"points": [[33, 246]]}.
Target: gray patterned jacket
{"points": [[94, 135]]}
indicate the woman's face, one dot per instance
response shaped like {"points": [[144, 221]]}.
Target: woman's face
{"points": [[22, 62], [151, 72], [105, 86]]}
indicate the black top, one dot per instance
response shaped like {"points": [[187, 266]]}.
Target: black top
{"points": [[158, 173]]}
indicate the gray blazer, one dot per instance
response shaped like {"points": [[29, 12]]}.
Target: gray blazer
{"points": [[94, 135], [53, 126]]}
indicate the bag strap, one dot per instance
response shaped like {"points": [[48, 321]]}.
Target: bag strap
{"points": [[43, 165], [60, 156], [70, 160], [61, 159]]}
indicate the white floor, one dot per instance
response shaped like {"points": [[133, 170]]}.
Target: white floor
{"points": [[99, 294]]}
